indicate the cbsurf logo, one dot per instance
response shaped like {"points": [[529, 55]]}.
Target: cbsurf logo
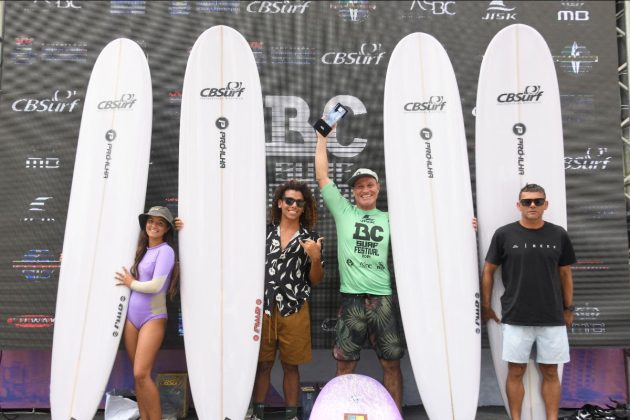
{"points": [[126, 101], [278, 7], [367, 54], [435, 103], [531, 94], [595, 158], [61, 101], [232, 90]]}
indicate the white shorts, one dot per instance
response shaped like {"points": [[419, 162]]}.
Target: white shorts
{"points": [[552, 344]]}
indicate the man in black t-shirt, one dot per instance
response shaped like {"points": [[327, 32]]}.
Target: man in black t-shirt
{"points": [[535, 258]]}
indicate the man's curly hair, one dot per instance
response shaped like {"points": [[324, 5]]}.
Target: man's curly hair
{"points": [[308, 217]]}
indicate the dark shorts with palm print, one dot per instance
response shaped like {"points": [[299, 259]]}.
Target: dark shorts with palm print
{"points": [[368, 317]]}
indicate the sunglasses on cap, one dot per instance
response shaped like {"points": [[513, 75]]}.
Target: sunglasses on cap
{"points": [[526, 202], [291, 201]]}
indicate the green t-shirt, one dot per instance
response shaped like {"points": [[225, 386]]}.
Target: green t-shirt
{"points": [[362, 245]]}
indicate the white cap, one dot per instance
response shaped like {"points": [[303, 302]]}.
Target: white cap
{"points": [[361, 172]]}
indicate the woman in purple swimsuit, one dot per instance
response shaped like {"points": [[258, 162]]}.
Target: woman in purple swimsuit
{"points": [[153, 275]]}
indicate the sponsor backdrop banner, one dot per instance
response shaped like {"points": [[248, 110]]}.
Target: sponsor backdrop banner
{"points": [[310, 54]]}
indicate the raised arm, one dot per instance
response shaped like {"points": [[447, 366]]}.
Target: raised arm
{"points": [[321, 161]]}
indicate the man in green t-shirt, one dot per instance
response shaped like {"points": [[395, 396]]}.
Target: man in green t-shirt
{"points": [[367, 308]]}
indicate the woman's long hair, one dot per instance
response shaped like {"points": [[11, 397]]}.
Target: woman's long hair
{"points": [[308, 217], [141, 250]]}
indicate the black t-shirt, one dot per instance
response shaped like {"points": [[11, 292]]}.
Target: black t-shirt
{"points": [[530, 261]]}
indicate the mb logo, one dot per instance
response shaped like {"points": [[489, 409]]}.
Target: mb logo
{"points": [[574, 15]]}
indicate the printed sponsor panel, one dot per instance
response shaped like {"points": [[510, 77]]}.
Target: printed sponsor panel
{"points": [[310, 55]]}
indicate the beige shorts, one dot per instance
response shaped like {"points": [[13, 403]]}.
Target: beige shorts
{"points": [[290, 334]]}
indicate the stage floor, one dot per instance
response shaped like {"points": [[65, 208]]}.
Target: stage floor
{"points": [[410, 413]]}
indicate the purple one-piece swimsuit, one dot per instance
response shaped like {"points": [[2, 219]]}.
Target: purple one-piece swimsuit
{"points": [[143, 307]]}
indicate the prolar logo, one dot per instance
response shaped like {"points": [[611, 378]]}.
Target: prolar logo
{"points": [[532, 94], [426, 134], [110, 136], [367, 54], [435, 103], [519, 130], [232, 90], [61, 101], [126, 101], [222, 124]]}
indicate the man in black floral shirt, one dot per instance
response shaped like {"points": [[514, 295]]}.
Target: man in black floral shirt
{"points": [[293, 266]]}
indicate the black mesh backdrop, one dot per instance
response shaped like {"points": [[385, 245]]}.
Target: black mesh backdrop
{"points": [[309, 54]]}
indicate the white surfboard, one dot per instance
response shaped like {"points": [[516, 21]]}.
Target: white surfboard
{"points": [[354, 397], [433, 242], [222, 200], [518, 141], [108, 192]]}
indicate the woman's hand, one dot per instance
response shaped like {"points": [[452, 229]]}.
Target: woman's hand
{"points": [[125, 278]]}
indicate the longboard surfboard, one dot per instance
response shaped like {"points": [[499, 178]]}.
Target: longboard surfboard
{"points": [[518, 141], [433, 241], [108, 192], [222, 192]]}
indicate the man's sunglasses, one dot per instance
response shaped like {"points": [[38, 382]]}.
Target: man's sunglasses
{"points": [[526, 202], [291, 201]]}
